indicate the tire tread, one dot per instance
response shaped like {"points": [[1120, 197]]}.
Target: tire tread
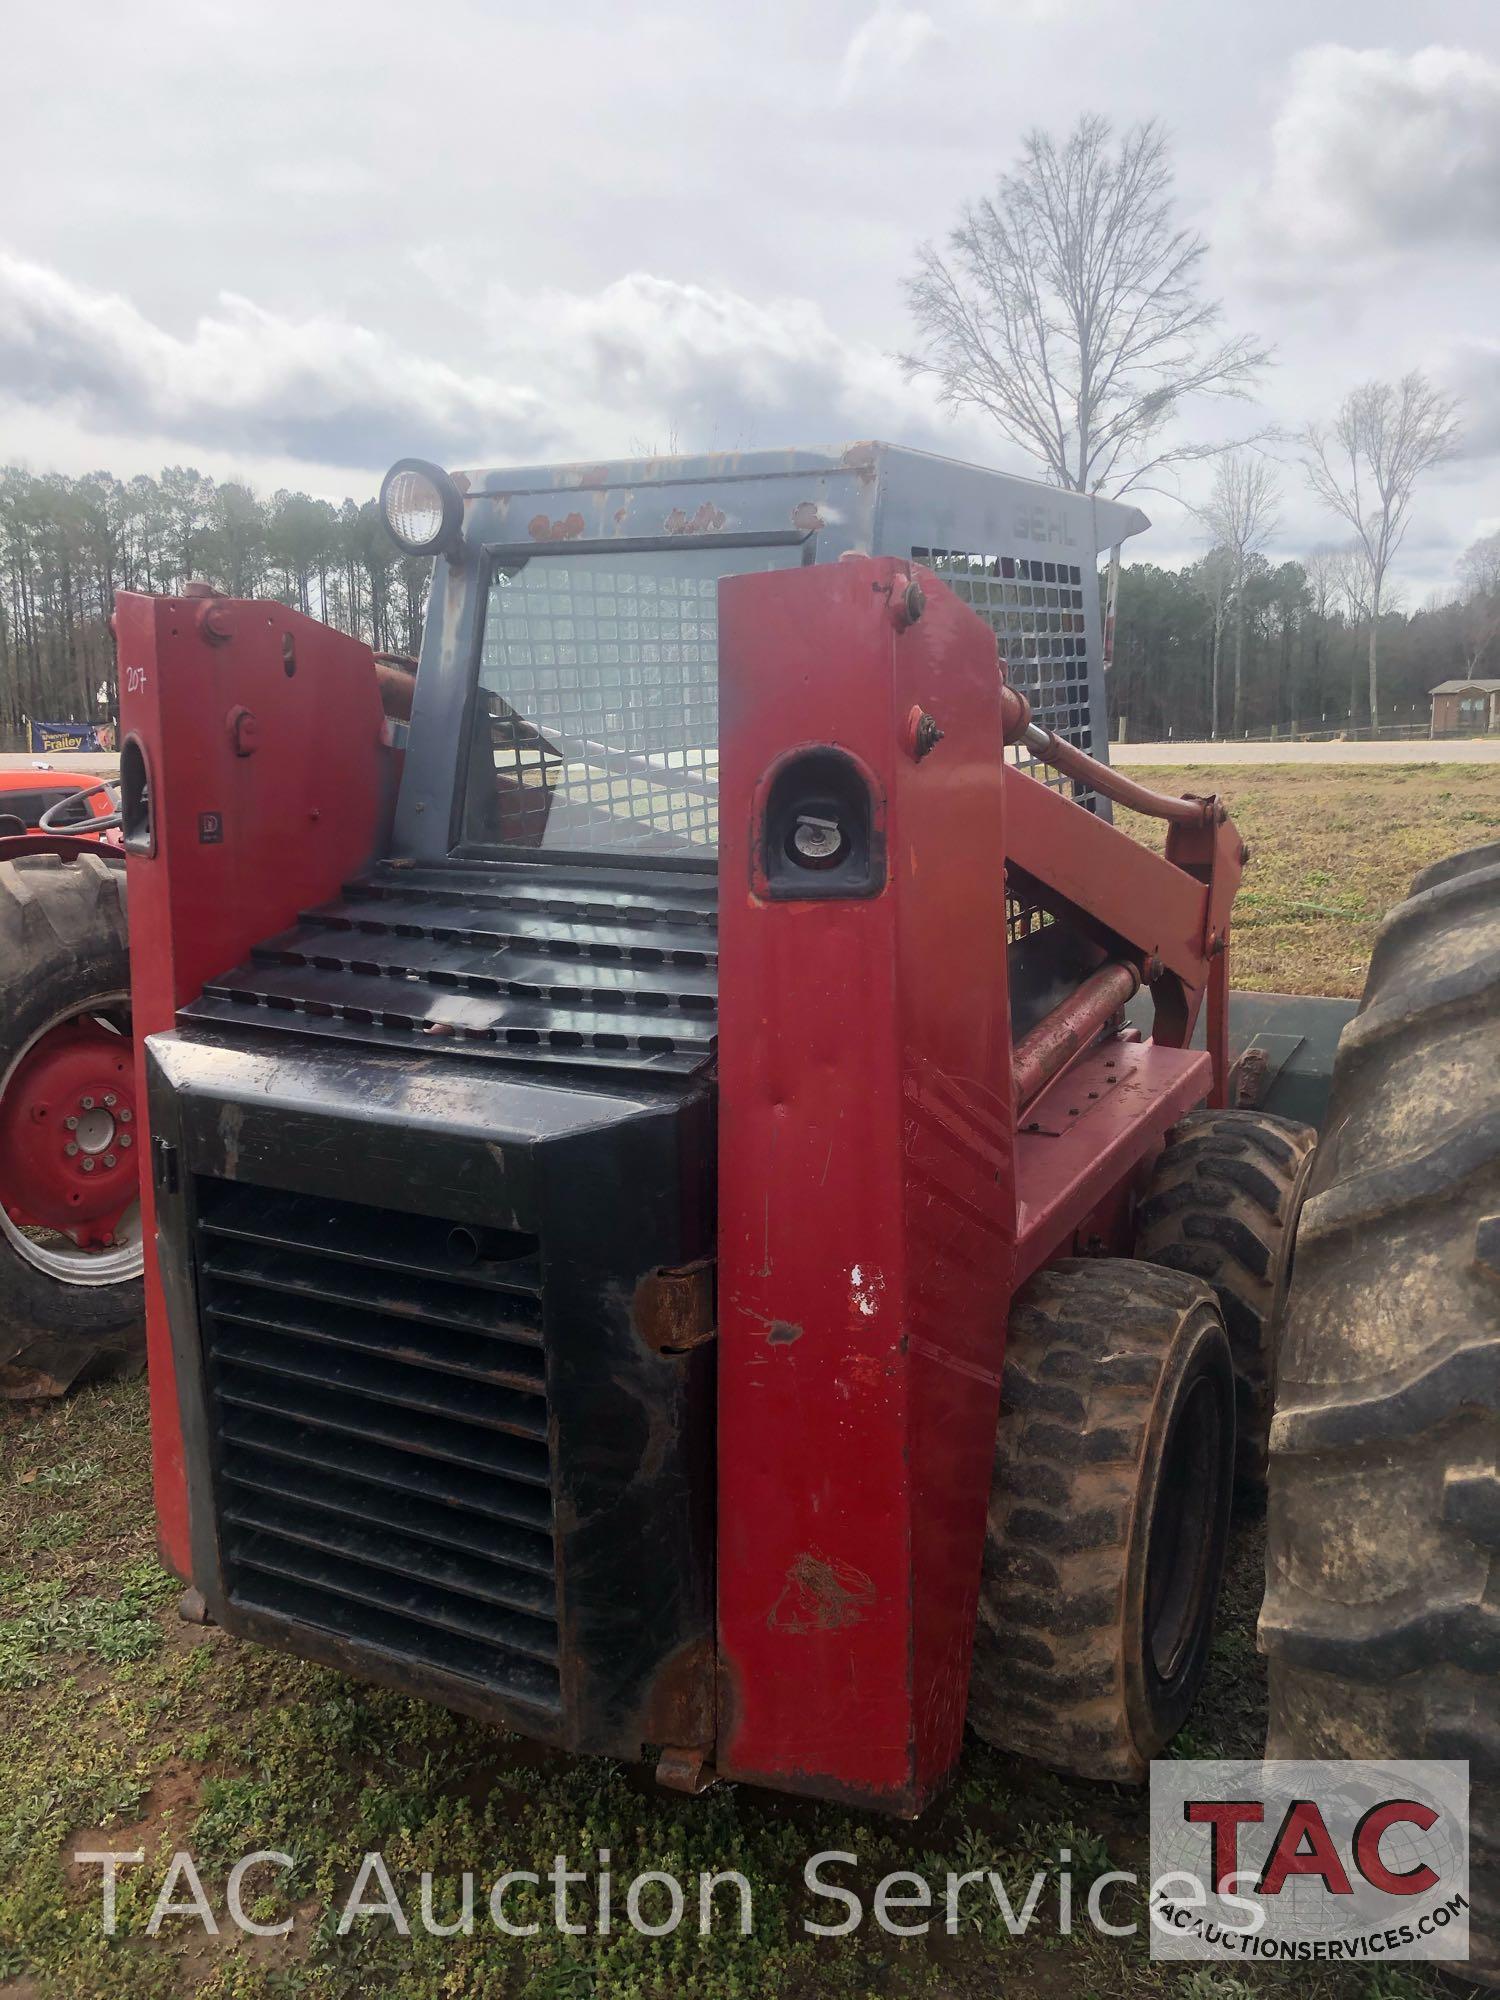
{"points": [[1381, 1619]]}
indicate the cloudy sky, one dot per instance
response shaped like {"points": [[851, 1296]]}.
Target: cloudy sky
{"points": [[291, 242]]}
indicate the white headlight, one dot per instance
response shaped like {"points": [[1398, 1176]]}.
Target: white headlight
{"points": [[421, 505]]}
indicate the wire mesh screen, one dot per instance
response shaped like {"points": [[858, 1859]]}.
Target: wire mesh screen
{"points": [[599, 686], [1035, 609]]}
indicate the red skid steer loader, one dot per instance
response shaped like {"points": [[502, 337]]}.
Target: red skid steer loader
{"points": [[661, 1233]]}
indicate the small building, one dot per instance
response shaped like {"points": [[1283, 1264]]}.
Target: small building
{"points": [[1464, 708]]}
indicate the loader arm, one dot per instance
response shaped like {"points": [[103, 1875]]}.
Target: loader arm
{"points": [[892, 1162]]}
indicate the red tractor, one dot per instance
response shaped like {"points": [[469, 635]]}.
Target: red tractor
{"points": [[71, 1304], [660, 1230]]}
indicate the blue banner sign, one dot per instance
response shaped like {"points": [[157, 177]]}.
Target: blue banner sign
{"points": [[50, 739]]}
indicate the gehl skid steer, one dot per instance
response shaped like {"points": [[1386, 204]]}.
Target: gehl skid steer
{"points": [[661, 1233]]}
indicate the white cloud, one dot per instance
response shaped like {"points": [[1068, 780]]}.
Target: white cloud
{"points": [[882, 46], [717, 241], [1473, 368], [1375, 152], [567, 373], [716, 367], [319, 388]]}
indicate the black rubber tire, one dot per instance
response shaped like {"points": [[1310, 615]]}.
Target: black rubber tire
{"points": [[1116, 1442], [1382, 1612], [62, 945], [1222, 1204]]}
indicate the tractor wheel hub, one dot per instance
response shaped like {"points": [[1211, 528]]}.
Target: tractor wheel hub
{"points": [[67, 1138], [96, 1132]]}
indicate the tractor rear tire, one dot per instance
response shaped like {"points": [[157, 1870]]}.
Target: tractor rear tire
{"points": [[63, 953], [1222, 1205], [1108, 1518], [1382, 1609]]}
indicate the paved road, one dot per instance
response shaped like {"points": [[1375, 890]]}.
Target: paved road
{"points": [[103, 764], [1419, 751]]}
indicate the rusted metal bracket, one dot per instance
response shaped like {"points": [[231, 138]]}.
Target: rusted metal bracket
{"points": [[686, 1770], [673, 1309], [1249, 1079]]}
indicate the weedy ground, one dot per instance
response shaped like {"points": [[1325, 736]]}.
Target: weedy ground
{"points": [[122, 1728], [1332, 848]]}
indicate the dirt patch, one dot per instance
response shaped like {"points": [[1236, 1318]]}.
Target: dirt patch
{"points": [[167, 1810]]}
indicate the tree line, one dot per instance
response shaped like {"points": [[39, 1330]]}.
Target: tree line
{"points": [[1287, 645], [67, 545], [1230, 645]]}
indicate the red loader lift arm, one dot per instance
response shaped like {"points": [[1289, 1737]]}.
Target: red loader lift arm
{"points": [[891, 1164]]}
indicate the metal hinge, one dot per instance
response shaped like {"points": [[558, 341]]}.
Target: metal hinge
{"points": [[673, 1310], [164, 1166]]}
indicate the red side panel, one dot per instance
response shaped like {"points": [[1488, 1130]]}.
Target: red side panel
{"points": [[867, 1201], [268, 777], [1090, 1135]]}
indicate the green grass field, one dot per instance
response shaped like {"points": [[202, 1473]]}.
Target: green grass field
{"points": [[1332, 847], [127, 1730]]}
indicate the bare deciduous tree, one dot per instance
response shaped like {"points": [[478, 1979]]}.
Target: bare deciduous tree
{"points": [[1241, 515], [1351, 590], [1365, 467], [1351, 583], [1322, 566], [1213, 578], [1479, 603], [1069, 310], [1478, 630], [1479, 567]]}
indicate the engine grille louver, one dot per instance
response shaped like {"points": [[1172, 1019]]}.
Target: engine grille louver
{"points": [[381, 1431], [595, 969]]}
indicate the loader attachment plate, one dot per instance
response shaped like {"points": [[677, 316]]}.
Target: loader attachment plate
{"points": [[1281, 1046]]}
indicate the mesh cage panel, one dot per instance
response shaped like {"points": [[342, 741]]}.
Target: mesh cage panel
{"points": [[599, 673], [1035, 609]]}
